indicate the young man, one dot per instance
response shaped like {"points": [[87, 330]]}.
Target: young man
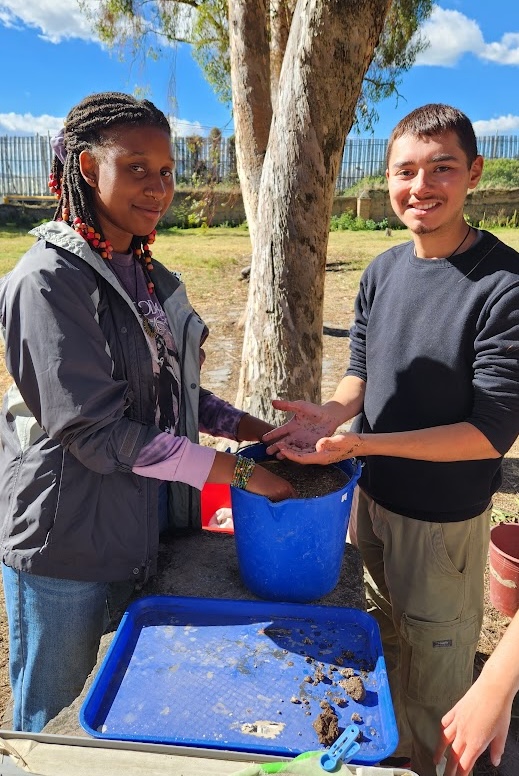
{"points": [[433, 383]]}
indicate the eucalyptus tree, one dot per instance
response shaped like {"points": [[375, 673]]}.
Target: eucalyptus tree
{"points": [[301, 73]]}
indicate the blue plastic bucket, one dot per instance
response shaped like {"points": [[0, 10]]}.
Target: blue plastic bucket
{"points": [[291, 550]]}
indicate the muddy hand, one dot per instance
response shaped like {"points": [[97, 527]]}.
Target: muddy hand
{"points": [[327, 450], [301, 433], [264, 483]]}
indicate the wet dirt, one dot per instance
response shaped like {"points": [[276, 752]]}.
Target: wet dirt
{"points": [[309, 481]]}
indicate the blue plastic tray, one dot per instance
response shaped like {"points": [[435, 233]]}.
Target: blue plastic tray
{"points": [[224, 674]]}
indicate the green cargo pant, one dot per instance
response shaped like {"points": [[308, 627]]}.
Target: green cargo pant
{"points": [[425, 586]]}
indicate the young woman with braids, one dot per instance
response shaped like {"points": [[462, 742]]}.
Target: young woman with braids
{"points": [[100, 427]]}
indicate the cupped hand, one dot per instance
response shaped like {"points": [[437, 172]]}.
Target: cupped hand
{"points": [[264, 483], [327, 450], [300, 434]]}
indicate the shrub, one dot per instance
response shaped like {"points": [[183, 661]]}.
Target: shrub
{"points": [[500, 174], [493, 221], [348, 220], [369, 182]]}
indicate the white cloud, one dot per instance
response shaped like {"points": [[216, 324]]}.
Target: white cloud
{"points": [[183, 128], [6, 18], [63, 21], [506, 52], [492, 126], [451, 34], [57, 21], [27, 124]]}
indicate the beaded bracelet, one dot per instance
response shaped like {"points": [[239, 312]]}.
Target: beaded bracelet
{"points": [[242, 472]]}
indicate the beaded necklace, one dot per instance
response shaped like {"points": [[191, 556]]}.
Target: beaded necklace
{"points": [[140, 245]]}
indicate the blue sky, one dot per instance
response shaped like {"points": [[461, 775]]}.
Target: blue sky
{"points": [[49, 60]]}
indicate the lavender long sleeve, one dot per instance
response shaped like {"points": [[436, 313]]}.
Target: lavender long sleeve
{"points": [[169, 457]]}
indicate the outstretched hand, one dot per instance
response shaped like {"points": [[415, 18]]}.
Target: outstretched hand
{"points": [[301, 433]]}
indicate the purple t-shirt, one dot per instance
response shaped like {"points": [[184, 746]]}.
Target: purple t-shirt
{"points": [[171, 457]]}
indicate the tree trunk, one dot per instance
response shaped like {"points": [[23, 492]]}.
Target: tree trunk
{"points": [[330, 47], [252, 108], [281, 13]]}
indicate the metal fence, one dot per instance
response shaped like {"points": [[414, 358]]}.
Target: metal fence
{"points": [[25, 161]]}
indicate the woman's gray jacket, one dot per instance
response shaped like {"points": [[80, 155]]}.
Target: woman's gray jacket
{"points": [[81, 408]]}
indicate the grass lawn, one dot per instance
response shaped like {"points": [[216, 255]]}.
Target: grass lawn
{"points": [[202, 255], [210, 261]]}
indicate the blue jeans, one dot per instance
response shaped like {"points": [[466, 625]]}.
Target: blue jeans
{"points": [[55, 626]]}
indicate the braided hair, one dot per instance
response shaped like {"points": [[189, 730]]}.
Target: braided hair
{"points": [[84, 127]]}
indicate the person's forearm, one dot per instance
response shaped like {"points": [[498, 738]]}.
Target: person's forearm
{"points": [[222, 469], [456, 442], [259, 480], [173, 458], [501, 671], [217, 417], [252, 429], [348, 399]]}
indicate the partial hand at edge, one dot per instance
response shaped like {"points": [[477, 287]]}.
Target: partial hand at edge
{"points": [[481, 718]]}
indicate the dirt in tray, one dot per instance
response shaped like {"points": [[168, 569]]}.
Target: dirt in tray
{"points": [[309, 481], [354, 686], [326, 725]]}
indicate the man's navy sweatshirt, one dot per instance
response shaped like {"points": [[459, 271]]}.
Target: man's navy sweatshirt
{"points": [[437, 342]]}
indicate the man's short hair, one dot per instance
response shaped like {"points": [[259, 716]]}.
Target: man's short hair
{"points": [[437, 119]]}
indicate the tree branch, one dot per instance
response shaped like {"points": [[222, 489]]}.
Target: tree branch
{"points": [[383, 84]]}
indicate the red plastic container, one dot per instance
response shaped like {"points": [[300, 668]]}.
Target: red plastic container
{"points": [[214, 496], [503, 559]]}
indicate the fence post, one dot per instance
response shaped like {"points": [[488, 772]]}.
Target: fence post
{"points": [[364, 205]]}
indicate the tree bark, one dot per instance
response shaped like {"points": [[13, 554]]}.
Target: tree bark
{"points": [[330, 47], [281, 13], [252, 108]]}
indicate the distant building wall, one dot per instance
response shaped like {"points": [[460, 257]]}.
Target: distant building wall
{"points": [[483, 203], [480, 204]]}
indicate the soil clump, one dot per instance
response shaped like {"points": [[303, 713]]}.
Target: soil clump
{"points": [[326, 725], [354, 686]]}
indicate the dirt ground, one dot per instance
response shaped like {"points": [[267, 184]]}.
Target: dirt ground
{"points": [[222, 313]]}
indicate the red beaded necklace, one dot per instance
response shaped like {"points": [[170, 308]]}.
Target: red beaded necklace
{"points": [[105, 249]]}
